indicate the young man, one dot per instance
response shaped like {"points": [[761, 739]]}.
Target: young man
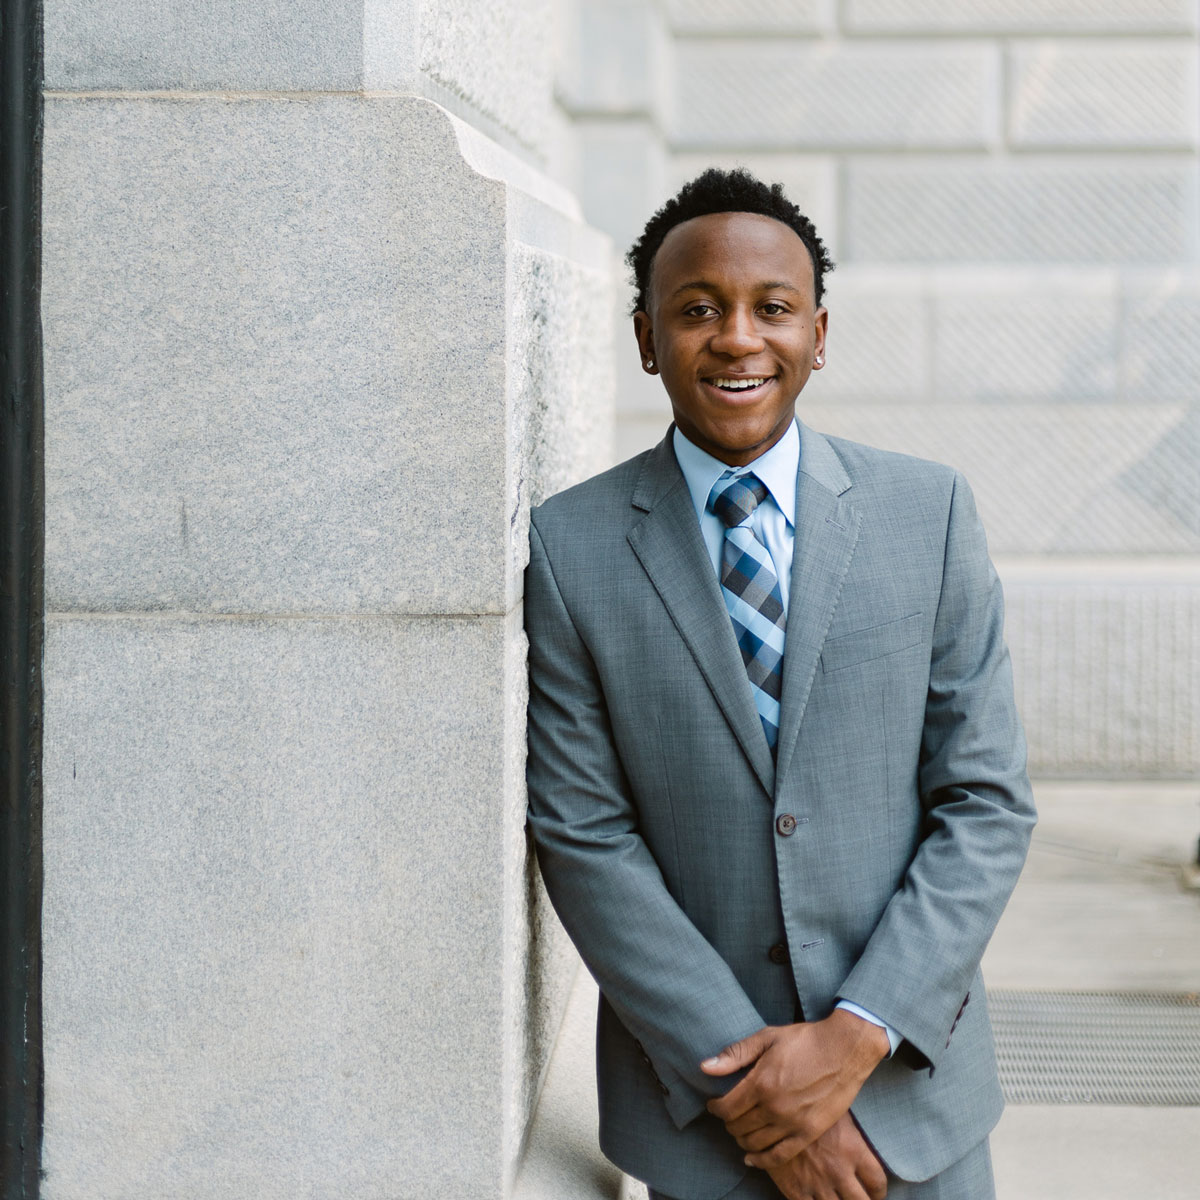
{"points": [[776, 776]]}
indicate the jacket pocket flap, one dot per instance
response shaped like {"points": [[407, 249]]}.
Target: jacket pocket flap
{"points": [[874, 642]]}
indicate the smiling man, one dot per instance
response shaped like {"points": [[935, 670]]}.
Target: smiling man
{"points": [[776, 776]]}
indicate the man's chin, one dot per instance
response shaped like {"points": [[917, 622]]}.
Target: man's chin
{"points": [[737, 445]]}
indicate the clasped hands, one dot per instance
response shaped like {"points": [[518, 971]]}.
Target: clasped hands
{"points": [[791, 1112]]}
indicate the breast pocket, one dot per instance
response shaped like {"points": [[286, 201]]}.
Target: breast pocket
{"points": [[876, 641]]}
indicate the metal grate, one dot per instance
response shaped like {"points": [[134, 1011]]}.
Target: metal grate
{"points": [[1098, 1047]]}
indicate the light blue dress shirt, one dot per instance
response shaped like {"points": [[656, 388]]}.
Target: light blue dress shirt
{"points": [[774, 524]]}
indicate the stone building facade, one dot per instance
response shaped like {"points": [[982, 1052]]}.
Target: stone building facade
{"points": [[332, 294]]}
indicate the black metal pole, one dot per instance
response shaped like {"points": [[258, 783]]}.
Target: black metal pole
{"points": [[20, 598]]}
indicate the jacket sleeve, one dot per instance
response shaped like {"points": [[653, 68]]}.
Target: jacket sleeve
{"points": [[978, 812], [665, 982]]}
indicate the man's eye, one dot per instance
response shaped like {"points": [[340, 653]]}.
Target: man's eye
{"points": [[698, 310], [773, 310]]}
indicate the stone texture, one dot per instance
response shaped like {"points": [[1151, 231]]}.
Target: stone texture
{"points": [[746, 95], [560, 364], [1020, 336], [279, 895], [617, 59], [878, 341], [442, 49], [562, 1157], [1139, 95], [751, 16], [622, 176], [538, 962], [1018, 16], [495, 57], [272, 374], [1107, 666], [252, 44], [281, 356], [1052, 479], [1093, 211], [1160, 358]]}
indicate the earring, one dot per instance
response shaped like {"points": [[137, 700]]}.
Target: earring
{"points": [[819, 361], [649, 364]]}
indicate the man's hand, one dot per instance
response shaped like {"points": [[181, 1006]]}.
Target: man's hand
{"points": [[803, 1078], [839, 1165]]}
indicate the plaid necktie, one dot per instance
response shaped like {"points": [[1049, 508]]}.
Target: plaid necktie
{"points": [[751, 591]]}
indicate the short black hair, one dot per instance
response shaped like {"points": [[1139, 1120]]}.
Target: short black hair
{"points": [[717, 191]]}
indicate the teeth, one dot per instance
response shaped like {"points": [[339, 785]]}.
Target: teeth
{"points": [[738, 385]]}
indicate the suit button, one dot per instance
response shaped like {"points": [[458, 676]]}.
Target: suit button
{"points": [[786, 825], [778, 954]]}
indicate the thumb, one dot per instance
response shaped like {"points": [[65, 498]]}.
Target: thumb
{"points": [[740, 1054]]}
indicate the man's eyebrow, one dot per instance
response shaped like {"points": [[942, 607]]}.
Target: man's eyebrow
{"points": [[702, 285]]}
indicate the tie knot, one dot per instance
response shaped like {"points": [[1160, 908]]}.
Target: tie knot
{"points": [[734, 499]]}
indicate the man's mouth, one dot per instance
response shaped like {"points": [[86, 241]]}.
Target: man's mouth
{"points": [[738, 383]]}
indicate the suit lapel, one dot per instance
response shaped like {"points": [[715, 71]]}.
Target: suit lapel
{"points": [[668, 544], [827, 529]]}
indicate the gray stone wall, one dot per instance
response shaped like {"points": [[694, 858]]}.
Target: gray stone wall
{"points": [[314, 343], [1010, 188]]}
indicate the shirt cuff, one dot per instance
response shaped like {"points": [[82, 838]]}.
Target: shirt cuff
{"points": [[894, 1039]]}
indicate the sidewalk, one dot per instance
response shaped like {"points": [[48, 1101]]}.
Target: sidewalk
{"points": [[1100, 908]]}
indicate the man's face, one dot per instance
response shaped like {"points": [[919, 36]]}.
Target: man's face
{"points": [[733, 329]]}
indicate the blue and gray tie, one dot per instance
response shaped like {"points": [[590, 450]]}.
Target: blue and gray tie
{"points": [[751, 591]]}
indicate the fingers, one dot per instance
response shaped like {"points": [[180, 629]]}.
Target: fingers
{"points": [[872, 1175], [852, 1189], [740, 1054], [781, 1152], [750, 1122], [866, 1163], [761, 1139], [737, 1102]]}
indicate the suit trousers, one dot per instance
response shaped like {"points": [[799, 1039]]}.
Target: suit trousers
{"points": [[968, 1179]]}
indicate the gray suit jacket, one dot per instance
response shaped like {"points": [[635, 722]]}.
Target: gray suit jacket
{"points": [[711, 890]]}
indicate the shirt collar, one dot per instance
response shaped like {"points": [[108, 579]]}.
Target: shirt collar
{"points": [[777, 469]]}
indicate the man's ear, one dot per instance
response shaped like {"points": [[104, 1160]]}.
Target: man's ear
{"points": [[644, 333], [820, 329]]}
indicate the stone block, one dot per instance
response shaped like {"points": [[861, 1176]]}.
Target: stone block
{"points": [[617, 59], [281, 355], [1052, 479], [1026, 335], [561, 371], [140, 44], [281, 898], [758, 95], [1106, 659], [442, 49], [751, 16], [809, 180], [622, 176], [496, 57], [878, 340], [1018, 16], [1138, 95], [1138, 209], [1160, 346]]}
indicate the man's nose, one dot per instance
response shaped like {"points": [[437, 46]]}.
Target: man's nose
{"points": [[738, 334]]}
